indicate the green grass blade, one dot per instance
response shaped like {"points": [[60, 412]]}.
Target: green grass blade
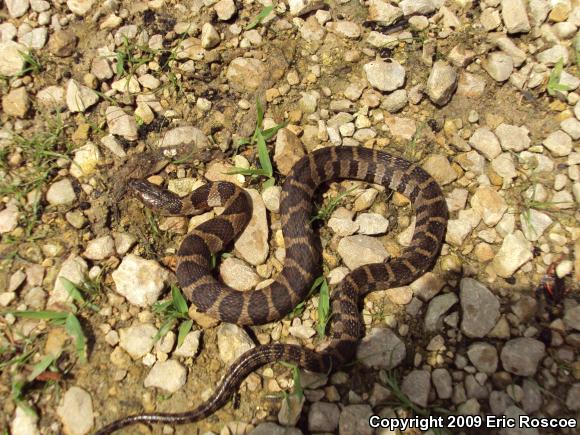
{"points": [[271, 132], [19, 359], [165, 328], [560, 87], [120, 65], [18, 397], [178, 300], [39, 315], [20, 401], [248, 171], [72, 290], [260, 110], [160, 307], [269, 183], [41, 366], [323, 308], [16, 390], [184, 329], [73, 327], [298, 389], [298, 310], [554, 79], [263, 155], [317, 283], [258, 18]]}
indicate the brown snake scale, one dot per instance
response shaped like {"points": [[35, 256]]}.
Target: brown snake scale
{"points": [[301, 264]]}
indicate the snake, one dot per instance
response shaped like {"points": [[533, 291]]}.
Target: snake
{"points": [[301, 262]]}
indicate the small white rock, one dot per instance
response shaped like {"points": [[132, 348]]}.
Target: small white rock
{"points": [[372, 224], [17, 8], [484, 141], [504, 166], [233, 341], [559, 143], [51, 97], [341, 222], [79, 97], [301, 331], [564, 268], [168, 375], [76, 411], [513, 138], [515, 251], [552, 56], [100, 248], [74, 269], [238, 274], [489, 204], [80, 7], [417, 7], [138, 339], [515, 16], [8, 218], [360, 250], [210, 38], [85, 160], [534, 223], [271, 198], [140, 281], [383, 12], [499, 66], [252, 244], [121, 124], [24, 423], [225, 9], [12, 62], [442, 83], [110, 142], [385, 76], [190, 345], [572, 127]]}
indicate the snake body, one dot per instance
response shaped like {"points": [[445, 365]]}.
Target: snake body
{"points": [[301, 264]]}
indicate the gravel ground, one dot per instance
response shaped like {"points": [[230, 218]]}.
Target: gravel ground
{"points": [[483, 94]]}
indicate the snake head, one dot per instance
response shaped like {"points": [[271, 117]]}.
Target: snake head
{"points": [[161, 200]]}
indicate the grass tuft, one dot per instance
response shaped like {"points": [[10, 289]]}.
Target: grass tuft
{"points": [[41, 152], [403, 401], [324, 211], [259, 138], [320, 284], [554, 84], [411, 153], [323, 305], [130, 56], [257, 20], [32, 63], [69, 320], [76, 293], [172, 311], [298, 390]]}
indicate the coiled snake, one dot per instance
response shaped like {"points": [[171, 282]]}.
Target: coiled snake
{"points": [[301, 263]]}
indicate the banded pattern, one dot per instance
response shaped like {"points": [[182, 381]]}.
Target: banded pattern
{"points": [[302, 261]]}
